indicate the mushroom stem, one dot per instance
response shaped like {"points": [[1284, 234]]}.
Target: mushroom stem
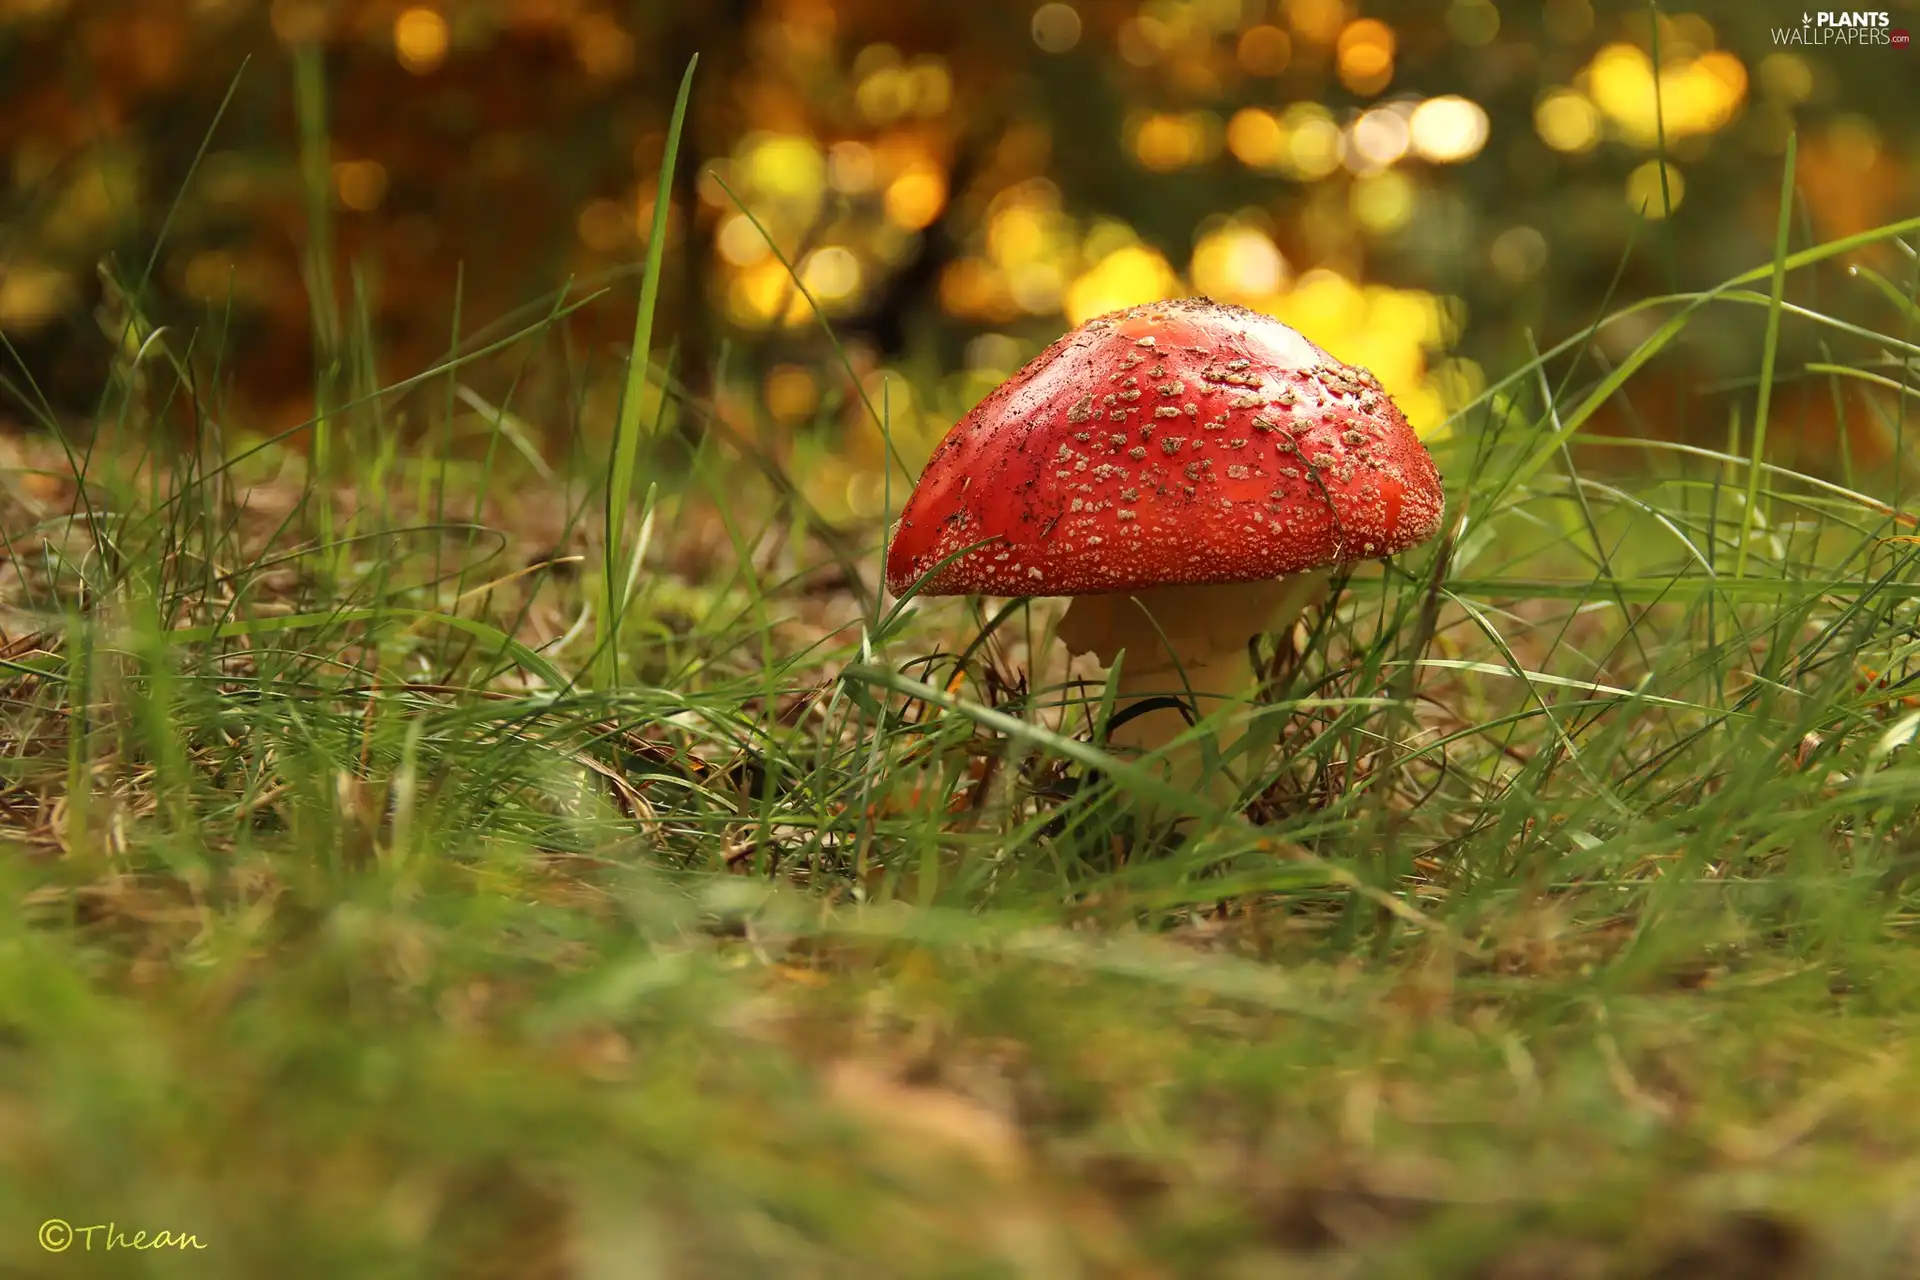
{"points": [[1202, 636]]}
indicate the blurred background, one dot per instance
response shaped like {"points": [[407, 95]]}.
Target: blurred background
{"points": [[1427, 189]]}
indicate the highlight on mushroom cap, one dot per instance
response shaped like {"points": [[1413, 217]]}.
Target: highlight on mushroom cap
{"points": [[1176, 442]]}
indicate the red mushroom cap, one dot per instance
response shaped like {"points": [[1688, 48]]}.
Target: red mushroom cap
{"points": [[1177, 442]]}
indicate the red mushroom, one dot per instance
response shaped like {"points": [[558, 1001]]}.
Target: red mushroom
{"points": [[1193, 461]]}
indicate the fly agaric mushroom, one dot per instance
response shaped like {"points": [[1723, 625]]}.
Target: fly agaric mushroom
{"points": [[1190, 461]]}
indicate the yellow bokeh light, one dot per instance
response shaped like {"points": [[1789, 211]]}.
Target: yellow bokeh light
{"points": [[1036, 287], [1717, 85], [1318, 21], [1448, 129], [420, 39], [1695, 96], [994, 354], [974, 287], [604, 225], [1324, 305], [1056, 27], [851, 168], [1566, 120], [1136, 48], [1255, 138], [1366, 55], [1164, 142], [739, 242], [873, 57], [1685, 35], [1787, 77], [1377, 139], [603, 49], [785, 166], [1015, 234], [1216, 17], [1621, 76], [932, 86], [1237, 263], [759, 293], [791, 393], [824, 479], [1855, 142], [1105, 236], [299, 21], [1459, 382], [1370, 33], [1425, 412], [831, 274], [916, 197], [1413, 316], [33, 293], [1123, 278], [1382, 202], [1473, 23], [1518, 254], [885, 95], [1644, 194], [1264, 51], [360, 184], [1312, 141]]}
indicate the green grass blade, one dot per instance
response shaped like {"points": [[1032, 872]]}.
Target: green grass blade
{"points": [[626, 439], [1769, 354]]}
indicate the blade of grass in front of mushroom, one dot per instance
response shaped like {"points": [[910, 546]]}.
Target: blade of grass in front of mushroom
{"points": [[626, 437]]}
